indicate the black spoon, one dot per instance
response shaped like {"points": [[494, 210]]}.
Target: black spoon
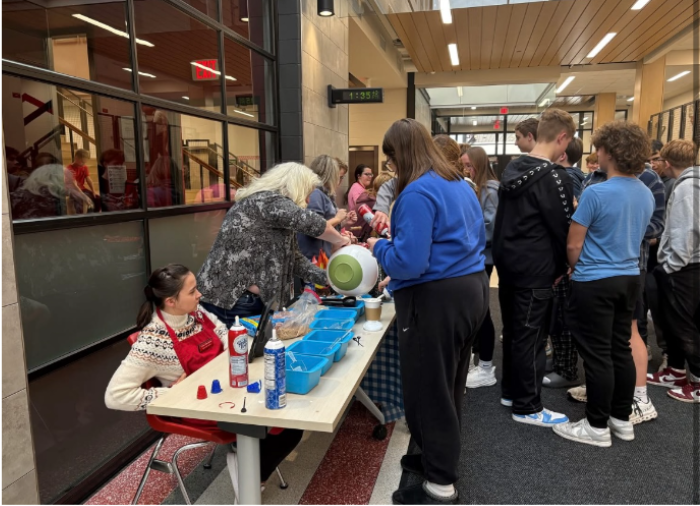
{"points": [[243, 410], [349, 301]]}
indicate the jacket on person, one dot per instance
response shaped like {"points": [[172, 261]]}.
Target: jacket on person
{"points": [[577, 178], [320, 203], [532, 223], [680, 242], [385, 196], [489, 206]]}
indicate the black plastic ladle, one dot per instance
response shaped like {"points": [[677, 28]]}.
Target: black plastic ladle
{"points": [[350, 301]]}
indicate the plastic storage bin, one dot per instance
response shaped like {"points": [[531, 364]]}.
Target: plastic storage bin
{"points": [[316, 348], [332, 324], [339, 314], [332, 336], [303, 381]]}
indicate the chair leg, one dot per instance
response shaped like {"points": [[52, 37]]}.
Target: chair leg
{"points": [[207, 464], [176, 471], [283, 484], [148, 470]]}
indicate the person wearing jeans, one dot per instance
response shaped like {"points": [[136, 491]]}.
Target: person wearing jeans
{"points": [[603, 249], [678, 277], [529, 252]]}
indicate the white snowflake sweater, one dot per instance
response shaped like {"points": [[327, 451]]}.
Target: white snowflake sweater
{"points": [[153, 356]]}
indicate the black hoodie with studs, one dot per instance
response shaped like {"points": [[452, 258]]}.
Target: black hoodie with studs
{"points": [[532, 223]]}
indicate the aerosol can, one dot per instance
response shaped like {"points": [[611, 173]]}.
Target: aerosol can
{"points": [[367, 214], [238, 355], [275, 376]]}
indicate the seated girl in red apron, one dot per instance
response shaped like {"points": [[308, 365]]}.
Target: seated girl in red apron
{"points": [[177, 337]]}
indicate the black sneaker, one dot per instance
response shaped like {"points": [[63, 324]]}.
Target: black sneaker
{"points": [[413, 463], [416, 494]]}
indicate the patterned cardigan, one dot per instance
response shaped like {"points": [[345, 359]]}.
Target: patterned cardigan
{"points": [[257, 245]]}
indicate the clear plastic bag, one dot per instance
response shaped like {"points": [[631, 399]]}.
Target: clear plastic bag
{"points": [[301, 316]]}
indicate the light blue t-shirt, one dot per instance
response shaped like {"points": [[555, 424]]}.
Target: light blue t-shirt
{"points": [[616, 213]]}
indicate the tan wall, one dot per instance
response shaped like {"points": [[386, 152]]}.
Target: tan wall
{"points": [[369, 122], [678, 100], [324, 61], [19, 485]]}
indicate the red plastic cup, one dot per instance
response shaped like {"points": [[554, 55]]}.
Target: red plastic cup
{"points": [[202, 392]]}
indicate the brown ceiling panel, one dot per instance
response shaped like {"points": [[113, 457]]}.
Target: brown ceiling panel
{"points": [[460, 20], [489, 17], [572, 41], [440, 38], [560, 17], [475, 20], [608, 13], [516, 22], [526, 31], [499, 36], [544, 22], [431, 48]]}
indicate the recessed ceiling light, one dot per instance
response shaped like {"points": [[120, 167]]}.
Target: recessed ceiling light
{"points": [[454, 56], [144, 74], [544, 102], [640, 5], [185, 97], [565, 84], [459, 91], [601, 45], [631, 99], [678, 76], [243, 113], [473, 108], [446, 12], [475, 122], [110, 29]]}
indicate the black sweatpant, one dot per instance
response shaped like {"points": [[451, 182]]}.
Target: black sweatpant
{"points": [[484, 343], [679, 297], [526, 318], [565, 354], [274, 449], [600, 319], [437, 323]]}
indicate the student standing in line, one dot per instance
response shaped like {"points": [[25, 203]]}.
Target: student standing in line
{"points": [[678, 276], [436, 264], [603, 249], [565, 372], [643, 409], [529, 251], [526, 134]]}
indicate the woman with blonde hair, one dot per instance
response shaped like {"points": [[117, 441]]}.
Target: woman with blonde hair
{"points": [[321, 202], [452, 153], [256, 255]]}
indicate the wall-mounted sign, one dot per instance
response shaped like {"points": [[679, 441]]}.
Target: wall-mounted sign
{"points": [[355, 96], [205, 70], [246, 100]]}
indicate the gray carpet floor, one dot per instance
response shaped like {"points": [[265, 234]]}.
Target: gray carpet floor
{"points": [[504, 462]]}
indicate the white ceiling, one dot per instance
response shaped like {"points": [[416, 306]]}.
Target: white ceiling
{"points": [[481, 96], [679, 86]]}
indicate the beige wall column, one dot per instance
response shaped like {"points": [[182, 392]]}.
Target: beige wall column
{"points": [[604, 111], [19, 485], [649, 91], [369, 122], [324, 61]]}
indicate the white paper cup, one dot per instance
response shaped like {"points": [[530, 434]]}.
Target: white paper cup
{"points": [[373, 310]]}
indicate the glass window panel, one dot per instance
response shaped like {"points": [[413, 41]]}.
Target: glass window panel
{"points": [[183, 159], [192, 242], [587, 142], [89, 41], [183, 64], [249, 86], [78, 287], [251, 152], [207, 7], [587, 120], [621, 115], [68, 152], [250, 19]]}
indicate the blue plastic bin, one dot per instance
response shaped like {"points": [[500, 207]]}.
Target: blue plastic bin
{"points": [[331, 336], [338, 314], [315, 348], [332, 324], [303, 381]]}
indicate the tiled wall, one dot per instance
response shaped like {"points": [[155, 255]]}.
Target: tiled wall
{"points": [[324, 53], [19, 485]]}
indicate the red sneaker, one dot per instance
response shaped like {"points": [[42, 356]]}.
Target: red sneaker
{"points": [[689, 393], [669, 378]]}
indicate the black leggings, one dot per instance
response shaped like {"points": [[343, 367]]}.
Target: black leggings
{"points": [[274, 449], [437, 323], [484, 343]]}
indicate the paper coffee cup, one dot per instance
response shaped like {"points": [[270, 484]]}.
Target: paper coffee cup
{"points": [[373, 309]]}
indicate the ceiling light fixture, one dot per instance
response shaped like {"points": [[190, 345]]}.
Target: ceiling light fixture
{"points": [[475, 123], [243, 10], [631, 99], [565, 84], [243, 113], [459, 91], [446, 12], [144, 74], [185, 97], [601, 45], [639, 5], [454, 56], [325, 8], [110, 29], [473, 108], [544, 102], [213, 71], [678, 76]]}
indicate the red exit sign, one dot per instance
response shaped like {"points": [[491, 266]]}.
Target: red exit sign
{"points": [[504, 110], [205, 70]]}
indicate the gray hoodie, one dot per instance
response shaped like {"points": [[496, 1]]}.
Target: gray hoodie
{"points": [[680, 242]]}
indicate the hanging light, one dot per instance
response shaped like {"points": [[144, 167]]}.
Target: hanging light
{"points": [[325, 8], [243, 10]]}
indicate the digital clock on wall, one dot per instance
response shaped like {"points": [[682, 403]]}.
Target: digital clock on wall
{"points": [[355, 96]]}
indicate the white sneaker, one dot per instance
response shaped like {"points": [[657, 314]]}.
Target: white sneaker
{"points": [[642, 411], [621, 429], [578, 393], [508, 403], [582, 432], [481, 377], [544, 418], [232, 462]]}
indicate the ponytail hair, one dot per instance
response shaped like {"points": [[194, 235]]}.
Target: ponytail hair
{"points": [[164, 283]]}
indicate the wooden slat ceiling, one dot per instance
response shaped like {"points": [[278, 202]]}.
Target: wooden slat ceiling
{"points": [[540, 33]]}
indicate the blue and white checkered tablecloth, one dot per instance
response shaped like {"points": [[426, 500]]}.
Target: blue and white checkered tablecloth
{"points": [[382, 383]]}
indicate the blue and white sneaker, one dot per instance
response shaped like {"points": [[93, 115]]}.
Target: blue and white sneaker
{"points": [[544, 418], [508, 403]]}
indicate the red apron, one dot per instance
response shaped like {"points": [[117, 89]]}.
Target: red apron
{"points": [[196, 351]]}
